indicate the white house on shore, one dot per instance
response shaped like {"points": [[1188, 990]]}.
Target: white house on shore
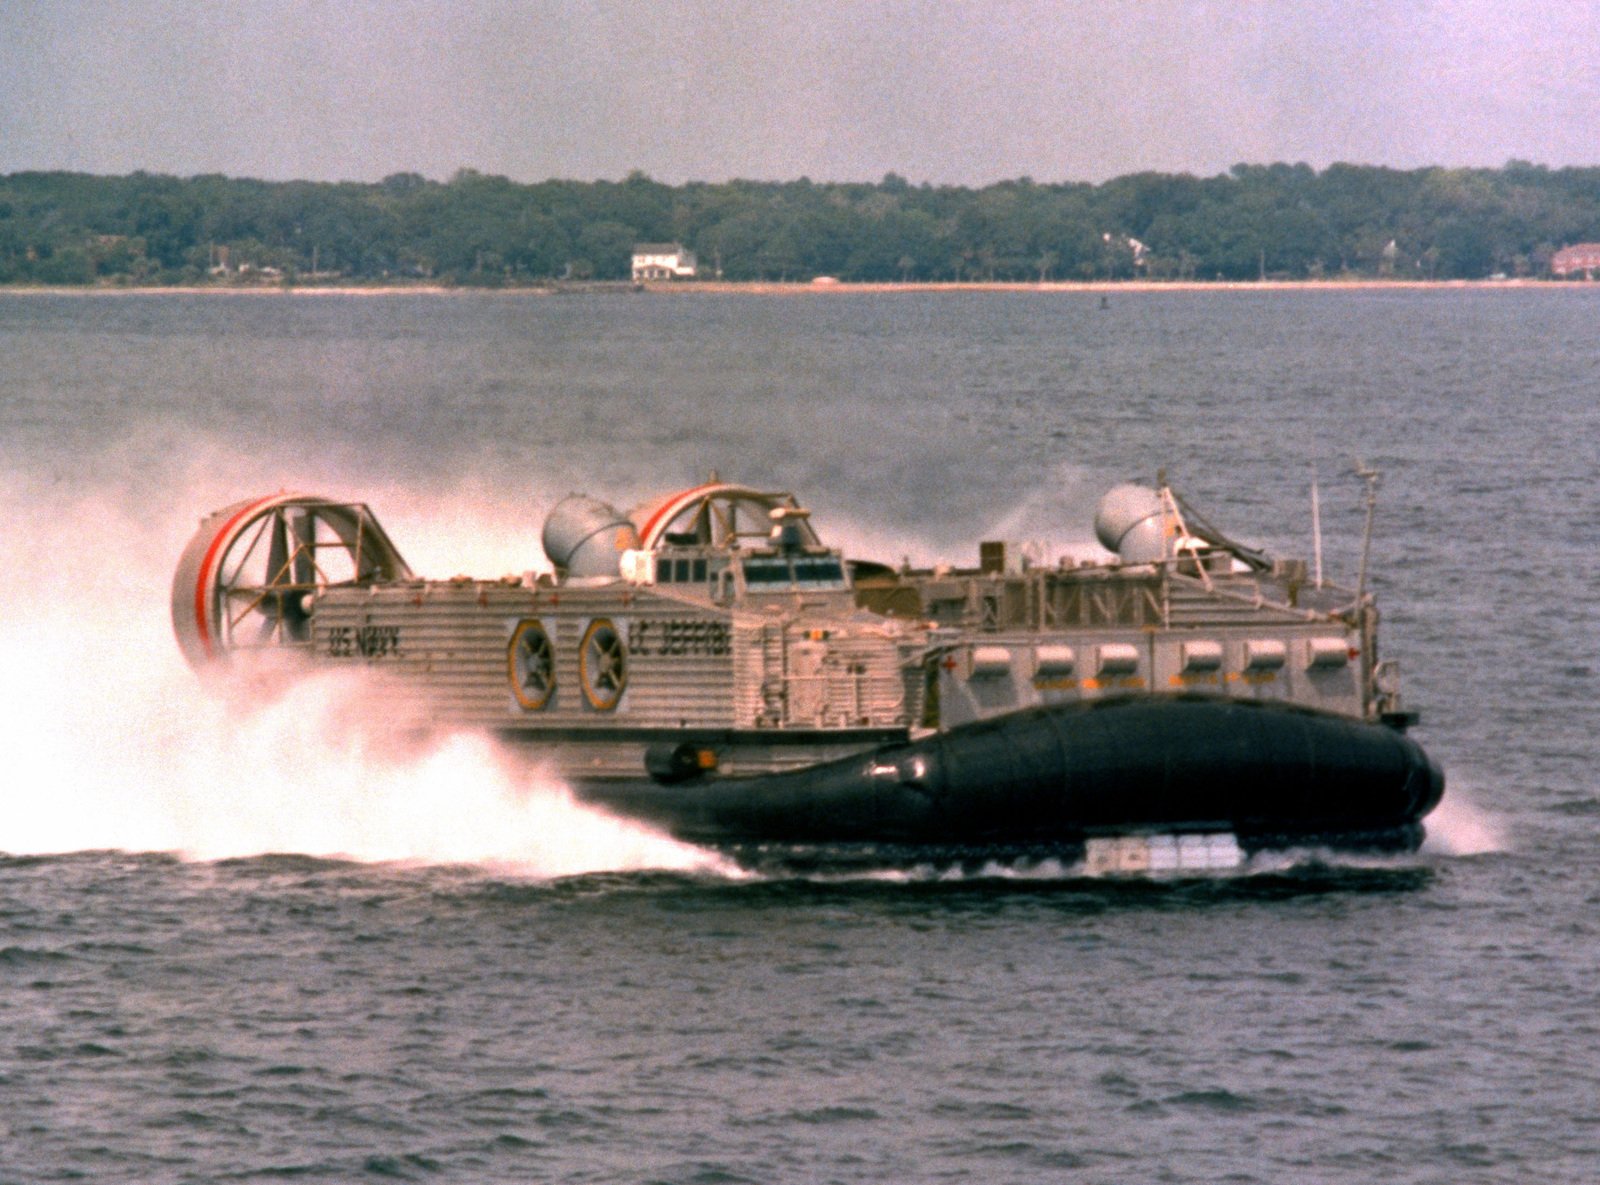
{"points": [[1578, 259], [662, 261]]}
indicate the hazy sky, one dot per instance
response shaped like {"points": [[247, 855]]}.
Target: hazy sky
{"points": [[936, 90]]}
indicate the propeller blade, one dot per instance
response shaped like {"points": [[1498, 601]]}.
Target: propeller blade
{"points": [[305, 536], [278, 551]]}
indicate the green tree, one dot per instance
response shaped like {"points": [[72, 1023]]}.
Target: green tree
{"points": [[607, 249]]}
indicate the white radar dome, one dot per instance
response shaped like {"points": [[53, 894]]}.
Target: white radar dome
{"points": [[1129, 521]]}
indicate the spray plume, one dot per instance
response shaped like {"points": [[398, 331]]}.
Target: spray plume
{"points": [[114, 744]]}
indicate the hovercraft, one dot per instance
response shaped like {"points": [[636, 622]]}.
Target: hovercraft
{"points": [[706, 663]]}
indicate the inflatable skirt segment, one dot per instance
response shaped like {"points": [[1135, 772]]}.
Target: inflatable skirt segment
{"points": [[1049, 778]]}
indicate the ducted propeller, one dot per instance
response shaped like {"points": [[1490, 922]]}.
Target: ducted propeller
{"points": [[251, 572]]}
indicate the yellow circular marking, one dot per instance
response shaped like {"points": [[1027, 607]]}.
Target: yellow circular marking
{"points": [[603, 665], [531, 665]]}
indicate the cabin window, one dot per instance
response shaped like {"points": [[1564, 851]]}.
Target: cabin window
{"points": [[766, 571], [681, 571], [820, 572], [806, 572]]}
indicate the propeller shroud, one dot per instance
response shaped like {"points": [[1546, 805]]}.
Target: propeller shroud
{"points": [[248, 577]]}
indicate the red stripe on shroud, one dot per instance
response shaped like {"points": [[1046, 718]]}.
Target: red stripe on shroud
{"points": [[210, 562]]}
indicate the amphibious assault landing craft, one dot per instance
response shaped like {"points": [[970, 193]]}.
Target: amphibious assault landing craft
{"points": [[708, 663]]}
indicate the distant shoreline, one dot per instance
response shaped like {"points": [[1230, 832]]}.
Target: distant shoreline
{"points": [[797, 288], [765, 288]]}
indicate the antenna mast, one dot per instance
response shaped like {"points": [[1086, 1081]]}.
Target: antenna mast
{"points": [[1370, 476], [1316, 526]]}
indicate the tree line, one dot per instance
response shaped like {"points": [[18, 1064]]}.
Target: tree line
{"points": [[1253, 222]]}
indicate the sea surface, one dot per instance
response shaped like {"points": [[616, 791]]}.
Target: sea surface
{"points": [[253, 939]]}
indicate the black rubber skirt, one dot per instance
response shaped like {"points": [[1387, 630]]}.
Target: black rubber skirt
{"points": [[1048, 778]]}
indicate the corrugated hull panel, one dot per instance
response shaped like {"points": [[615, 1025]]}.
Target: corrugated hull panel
{"points": [[529, 663], [670, 664]]}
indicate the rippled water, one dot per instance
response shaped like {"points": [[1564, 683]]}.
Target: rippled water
{"points": [[448, 971]]}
